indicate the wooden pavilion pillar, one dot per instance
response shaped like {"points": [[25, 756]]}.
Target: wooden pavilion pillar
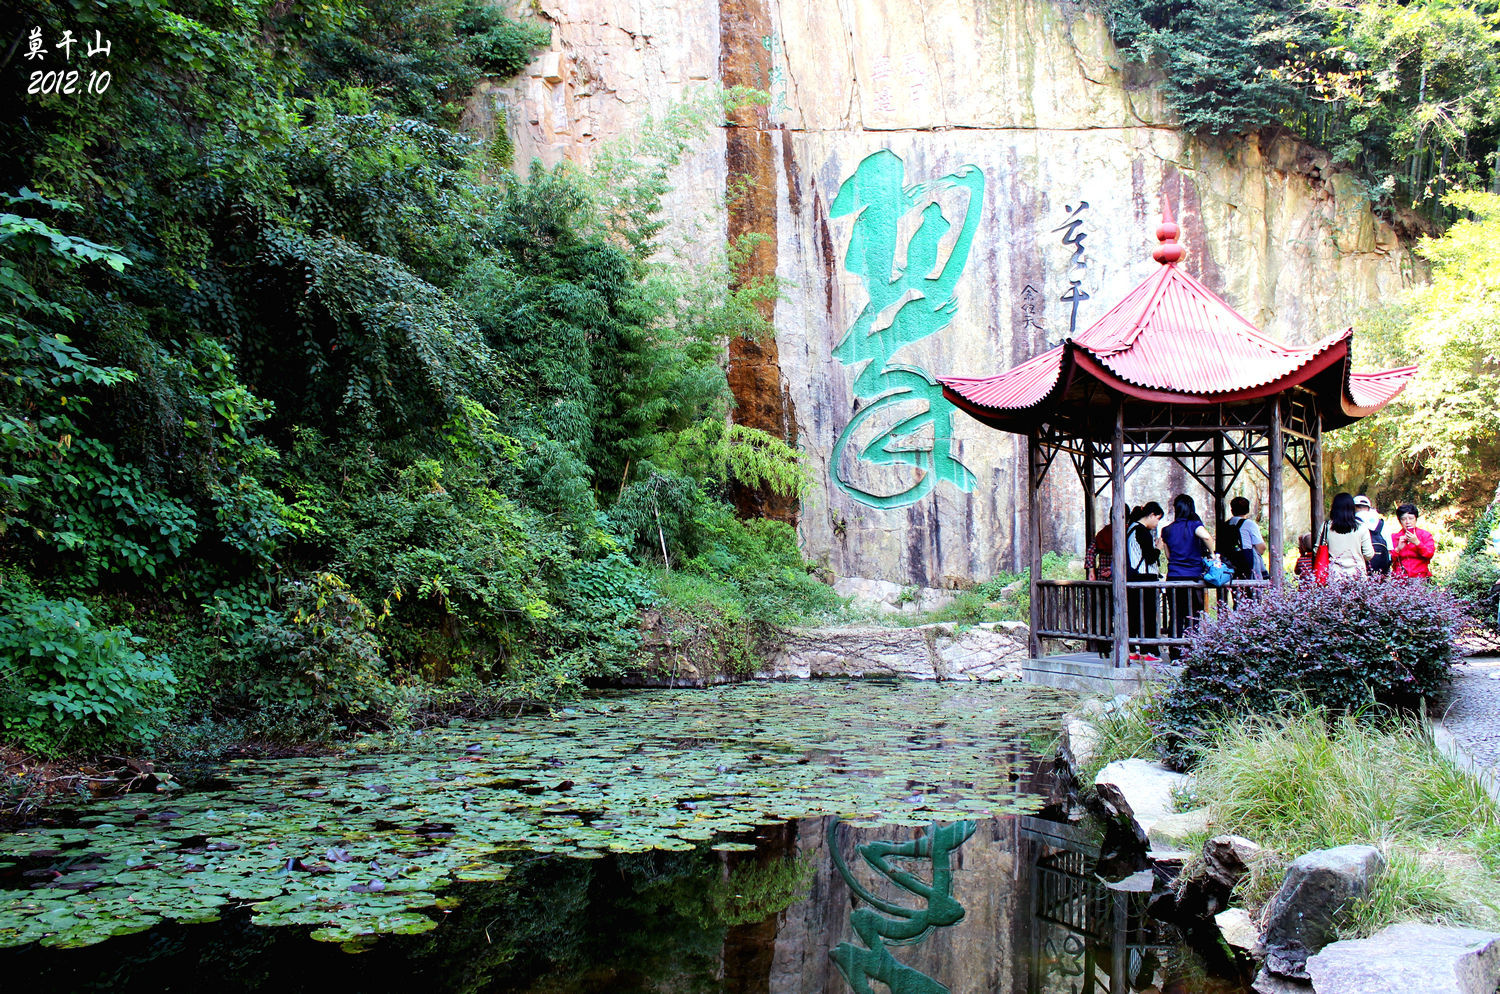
{"points": [[1315, 473], [1090, 508], [1120, 610], [1034, 534], [1221, 511], [1275, 460]]}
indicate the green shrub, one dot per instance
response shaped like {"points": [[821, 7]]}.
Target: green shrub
{"points": [[68, 684], [743, 580], [708, 620], [761, 557], [1484, 539], [1343, 646], [757, 558], [317, 655], [497, 45], [1472, 580], [601, 603], [1473, 576]]}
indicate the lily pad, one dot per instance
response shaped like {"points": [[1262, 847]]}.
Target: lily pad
{"points": [[365, 844]]}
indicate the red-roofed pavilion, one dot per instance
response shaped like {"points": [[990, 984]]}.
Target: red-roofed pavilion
{"points": [[1173, 372]]}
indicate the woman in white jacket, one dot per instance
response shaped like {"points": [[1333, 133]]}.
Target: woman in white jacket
{"points": [[1349, 547]]}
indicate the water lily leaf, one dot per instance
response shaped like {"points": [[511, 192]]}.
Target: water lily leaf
{"points": [[360, 846]]}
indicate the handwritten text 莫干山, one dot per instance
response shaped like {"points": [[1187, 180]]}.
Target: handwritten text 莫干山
{"points": [[66, 80]]}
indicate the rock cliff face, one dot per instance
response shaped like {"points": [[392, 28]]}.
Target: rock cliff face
{"points": [[945, 187]]}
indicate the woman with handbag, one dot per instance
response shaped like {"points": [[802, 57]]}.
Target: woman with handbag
{"points": [[1349, 547], [1187, 543]]}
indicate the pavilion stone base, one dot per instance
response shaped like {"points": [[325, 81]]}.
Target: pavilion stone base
{"points": [[1087, 673]]}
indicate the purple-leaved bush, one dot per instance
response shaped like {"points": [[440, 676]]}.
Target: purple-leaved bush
{"points": [[1342, 646]]}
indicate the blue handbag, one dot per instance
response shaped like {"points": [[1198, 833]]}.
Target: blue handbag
{"points": [[1216, 572]]}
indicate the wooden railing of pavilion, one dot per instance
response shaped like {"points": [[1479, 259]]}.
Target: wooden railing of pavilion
{"points": [[1161, 612]]}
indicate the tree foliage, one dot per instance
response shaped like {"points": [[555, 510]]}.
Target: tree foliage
{"points": [[305, 396], [1216, 57], [1447, 422], [1407, 93]]}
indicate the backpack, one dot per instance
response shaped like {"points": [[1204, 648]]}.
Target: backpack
{"points": [[1232, 549], [1381, 563], [1217, 572]]}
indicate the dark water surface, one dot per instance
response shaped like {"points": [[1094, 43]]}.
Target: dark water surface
{"points": [[767, 838]]}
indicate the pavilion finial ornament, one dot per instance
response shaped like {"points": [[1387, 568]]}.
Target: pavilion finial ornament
{"points": [[1168, 252]]}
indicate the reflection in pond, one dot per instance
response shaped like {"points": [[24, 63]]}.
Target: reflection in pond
{"points": [[1017, 909], [1092, 936], [672, 843], [899, 925], [369, 844], [1086, 935]]}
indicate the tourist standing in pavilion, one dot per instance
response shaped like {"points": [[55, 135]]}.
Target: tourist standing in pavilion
{"points": [[1187, 543], [1142, 559], [1248, 561]]}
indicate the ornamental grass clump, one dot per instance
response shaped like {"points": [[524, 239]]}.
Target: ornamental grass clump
{"points": [[1345, 646], [1128, 729], [1303, 780]]}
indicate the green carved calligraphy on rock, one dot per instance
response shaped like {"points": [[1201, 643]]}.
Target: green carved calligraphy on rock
{"points": [[905, 306], [887, 922]]}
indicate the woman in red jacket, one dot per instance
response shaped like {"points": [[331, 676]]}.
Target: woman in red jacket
{"points": [[1412, 548]]}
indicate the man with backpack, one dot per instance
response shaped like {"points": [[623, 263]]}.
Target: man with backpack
{"points": [[1240, 542], [1368, 516]]}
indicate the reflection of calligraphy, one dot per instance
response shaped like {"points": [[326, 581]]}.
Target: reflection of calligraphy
{"points": [[885, 921], [905, 306]]}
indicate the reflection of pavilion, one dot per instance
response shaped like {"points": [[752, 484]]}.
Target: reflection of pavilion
{"points": [[1170, 372], [1085, 936]]}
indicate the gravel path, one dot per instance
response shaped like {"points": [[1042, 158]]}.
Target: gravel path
{"points": [[1473, 709]]}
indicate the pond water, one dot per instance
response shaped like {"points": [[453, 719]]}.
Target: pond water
{"points": [[768, 837]]}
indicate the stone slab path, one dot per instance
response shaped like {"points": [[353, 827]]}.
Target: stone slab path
{"points": [[1472, 711]]}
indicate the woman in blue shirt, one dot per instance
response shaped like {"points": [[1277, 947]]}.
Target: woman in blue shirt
{"points": [[1185, 541]]}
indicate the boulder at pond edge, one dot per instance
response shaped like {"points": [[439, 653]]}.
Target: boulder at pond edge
{"points": [[1318, 887], [1408, 958]]}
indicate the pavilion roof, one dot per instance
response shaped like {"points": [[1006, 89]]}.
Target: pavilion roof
{"points": [[1173, 340]]}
